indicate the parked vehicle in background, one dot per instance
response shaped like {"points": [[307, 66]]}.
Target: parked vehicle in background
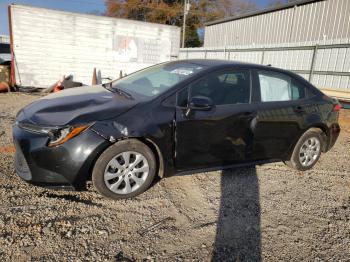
{"points": [[177, 117]]}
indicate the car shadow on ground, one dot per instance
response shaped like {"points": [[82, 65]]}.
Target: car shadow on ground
{"points": [[238, 236]]}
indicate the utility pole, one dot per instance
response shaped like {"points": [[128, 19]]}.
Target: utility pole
{"points": [[187, 7]]}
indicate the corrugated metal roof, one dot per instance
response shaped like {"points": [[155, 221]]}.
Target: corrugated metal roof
{"points": [[319, 22], [264, 11]]}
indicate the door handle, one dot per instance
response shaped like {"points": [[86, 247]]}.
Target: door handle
{"points": [[249, 114], [299, 109]]}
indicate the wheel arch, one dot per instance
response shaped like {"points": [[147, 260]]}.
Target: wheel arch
{"points": [[80, 184], [157, 153], [291, 161], [324, 134], [147, 142]]}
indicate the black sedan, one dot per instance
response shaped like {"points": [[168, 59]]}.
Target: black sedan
{"points": [[173, 118]]}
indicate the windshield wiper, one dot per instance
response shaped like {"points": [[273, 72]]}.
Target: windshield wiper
{"points": [[121, 92], [108, 86]]}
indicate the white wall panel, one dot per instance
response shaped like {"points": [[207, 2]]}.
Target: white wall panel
{"points": [[195, 55], [50, 43]]}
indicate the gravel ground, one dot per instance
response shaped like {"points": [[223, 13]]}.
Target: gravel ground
{"points": [[265, 212]]}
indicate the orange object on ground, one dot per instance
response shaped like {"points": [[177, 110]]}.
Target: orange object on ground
{"points": [[94, 77], [57, 88], [7, 149], [4, 87], [59, 85]]}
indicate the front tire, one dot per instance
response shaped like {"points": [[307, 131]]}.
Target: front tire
{"points": [[124, 170], [307, 151]]}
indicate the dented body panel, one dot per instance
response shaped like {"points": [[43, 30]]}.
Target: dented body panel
{"points": [[150, 122], [77, 105]]}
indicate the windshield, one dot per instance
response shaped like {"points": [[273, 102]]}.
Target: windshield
{"points": [[157, 79]]}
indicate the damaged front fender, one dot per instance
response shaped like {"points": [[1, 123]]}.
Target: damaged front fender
{"points": [[158, 137], [111, 131]]}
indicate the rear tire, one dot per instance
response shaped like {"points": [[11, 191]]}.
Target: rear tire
{"points": [[307, 151], [124, 170]]}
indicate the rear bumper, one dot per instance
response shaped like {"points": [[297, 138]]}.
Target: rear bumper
{"points": [[333, 135], [67, 166]]}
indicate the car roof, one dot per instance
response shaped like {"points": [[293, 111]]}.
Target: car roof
{"points": [[220, 63], [217, 64]]}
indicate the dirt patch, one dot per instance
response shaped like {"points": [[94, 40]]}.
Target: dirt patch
{"points": [[345, 120], [265, 212], [7, 149]]}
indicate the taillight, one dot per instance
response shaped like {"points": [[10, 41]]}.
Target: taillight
{"points": [[337, 107]]}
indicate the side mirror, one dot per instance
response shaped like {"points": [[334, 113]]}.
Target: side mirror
{"points": [[200, 103]]}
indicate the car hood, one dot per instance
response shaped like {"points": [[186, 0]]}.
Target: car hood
{"points": [[75, 106]]}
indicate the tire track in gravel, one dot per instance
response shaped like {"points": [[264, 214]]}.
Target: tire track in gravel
{"points": [[191, 212], [188, 199]]}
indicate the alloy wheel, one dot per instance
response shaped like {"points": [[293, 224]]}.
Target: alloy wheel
{"points": [[309, 151], [126, 172]]}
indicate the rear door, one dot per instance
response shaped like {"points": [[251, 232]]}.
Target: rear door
{"points": [[219, 136], [282, 110]]}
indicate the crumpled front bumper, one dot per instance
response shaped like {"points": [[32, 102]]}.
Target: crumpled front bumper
{"points": [[66, 166]]}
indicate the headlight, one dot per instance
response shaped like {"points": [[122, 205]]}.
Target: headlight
{"points": [[57, 135], [60, 136]]}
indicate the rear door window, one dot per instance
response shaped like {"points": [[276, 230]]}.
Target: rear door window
{"points": [[276, 86]]}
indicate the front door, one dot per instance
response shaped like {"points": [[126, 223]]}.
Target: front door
{"points": [[222, 135]]}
